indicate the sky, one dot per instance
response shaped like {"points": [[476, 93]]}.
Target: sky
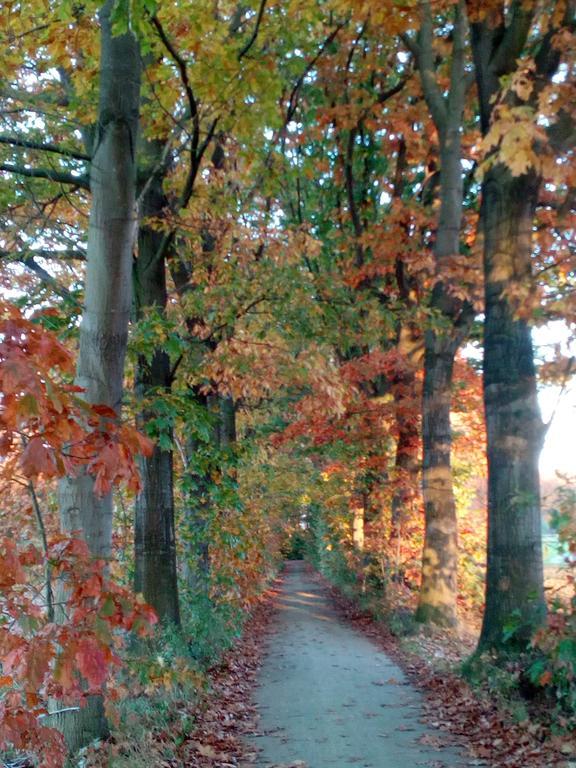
{"points": [[559, 452]]}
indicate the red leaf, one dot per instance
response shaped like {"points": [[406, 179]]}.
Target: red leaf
{"points": [[105, 410], [91, 662], [37, 459]]}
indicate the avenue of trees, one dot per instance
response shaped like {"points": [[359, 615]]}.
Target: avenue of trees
{"points": [[249, 254]]}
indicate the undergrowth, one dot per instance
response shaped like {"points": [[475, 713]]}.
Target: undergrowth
{"points": [[164, 681]]}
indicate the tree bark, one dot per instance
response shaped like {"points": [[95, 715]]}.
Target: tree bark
{"points": [[410, 347], [154, 529], [104, 327], [514, 579], [439, 591]]}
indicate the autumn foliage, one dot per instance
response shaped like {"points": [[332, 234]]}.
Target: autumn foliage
{"points": [[277, 236], [63, 617]]}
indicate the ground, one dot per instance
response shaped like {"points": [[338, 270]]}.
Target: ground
{"points": [[314, 682], [328, 696]]}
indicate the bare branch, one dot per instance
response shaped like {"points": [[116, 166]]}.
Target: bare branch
{"points": [[183, 69], [47, 565], [195, 166], [48, 279], [384, 96], [293, 100], [254, 35], [69, 254]]}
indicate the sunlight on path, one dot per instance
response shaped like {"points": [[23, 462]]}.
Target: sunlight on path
{"points": [[329, 697]]}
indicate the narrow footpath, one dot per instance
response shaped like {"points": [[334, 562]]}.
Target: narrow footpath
{"points": [[328, 696]]}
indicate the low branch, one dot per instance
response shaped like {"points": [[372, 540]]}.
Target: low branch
{"points": [[60, 177], [48, 279], [16, 141], [69, 254]]}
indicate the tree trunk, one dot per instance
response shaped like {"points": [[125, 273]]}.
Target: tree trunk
{"points": [[410, 346], [197, 484], [227, 422], [514, 580], [439, 591], [104, 327], [154, 531], [358, 526]]}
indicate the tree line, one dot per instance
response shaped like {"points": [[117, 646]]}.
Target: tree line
{"points": [[270, 229]]}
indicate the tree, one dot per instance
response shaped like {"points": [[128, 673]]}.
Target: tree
{"points": [[503, 47], [438, 593], [104, 326]]}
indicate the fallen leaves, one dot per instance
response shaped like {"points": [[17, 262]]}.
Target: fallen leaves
{"points": [[226, 715], [453, 707]]}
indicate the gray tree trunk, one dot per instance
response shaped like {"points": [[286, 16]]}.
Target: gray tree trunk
{"points": [[104, 327]]}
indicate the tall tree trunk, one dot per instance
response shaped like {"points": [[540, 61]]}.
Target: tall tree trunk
{"points": [[154, 531], [104, 327], [514, 579], [439, 591]]}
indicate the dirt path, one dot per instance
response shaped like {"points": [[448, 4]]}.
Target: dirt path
{"points": [[328, 696]]}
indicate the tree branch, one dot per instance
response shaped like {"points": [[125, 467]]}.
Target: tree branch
{"points": [[254, 35], [458, 79], [183, 69], [293, 100], [514, 38], [16, 141], [69, 254], [425, 62], [59, 177], [48, 279], [195, 166], [47, 564]]}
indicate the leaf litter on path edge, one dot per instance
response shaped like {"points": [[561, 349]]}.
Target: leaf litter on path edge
{"points": [[492, 737]]}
